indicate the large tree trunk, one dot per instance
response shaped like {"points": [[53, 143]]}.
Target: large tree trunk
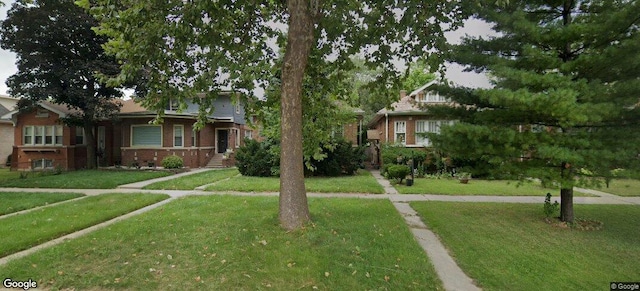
{"points": [[566, 193], [566, 205], [90, 140], [294, 210]]}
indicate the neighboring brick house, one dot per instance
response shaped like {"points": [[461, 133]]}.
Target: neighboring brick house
{"points": [[43, 142], [7, 104], [403, 123]]}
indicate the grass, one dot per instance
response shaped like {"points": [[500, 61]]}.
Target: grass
{"points": [[26, 230], [623, 187], [6, 174], [18, 201], [363, 182], [190, 182], [476, 187], [85, 179], [509, 246], [235, 243]]}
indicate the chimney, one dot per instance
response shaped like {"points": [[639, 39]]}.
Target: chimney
{"points": [[403, 93]]}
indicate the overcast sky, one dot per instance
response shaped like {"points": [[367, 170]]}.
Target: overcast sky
{"points": [[454, 72]]}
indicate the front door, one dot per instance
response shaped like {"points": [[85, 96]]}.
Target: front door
{"points": [[223, 140]]}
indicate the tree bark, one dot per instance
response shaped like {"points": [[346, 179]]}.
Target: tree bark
{"points": [[90, 141], [294, 209], [566, 205], [566, 193]]}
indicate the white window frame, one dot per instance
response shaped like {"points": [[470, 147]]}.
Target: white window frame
{"points": [[194, 137], [237, 137], [173, 105], [248, 134], [178, 128], [400, 132], [131, 140], [41, 164], [45, 131], [429, 126]]}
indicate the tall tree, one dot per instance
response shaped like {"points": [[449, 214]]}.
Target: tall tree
{"points": [[184, 47], [58, 56], [566, 96]]}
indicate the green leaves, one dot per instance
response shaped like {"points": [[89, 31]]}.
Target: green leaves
{"points": [[565, 79]]}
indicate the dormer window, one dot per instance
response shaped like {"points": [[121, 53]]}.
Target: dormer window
{"points": [[173, 105], [430, 97]]}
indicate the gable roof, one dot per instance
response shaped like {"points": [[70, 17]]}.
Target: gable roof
{"points": [[407, 105]]}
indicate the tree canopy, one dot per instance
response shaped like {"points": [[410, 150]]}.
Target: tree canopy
{"points": [[565, 102], [58, 56], [184, 47]]}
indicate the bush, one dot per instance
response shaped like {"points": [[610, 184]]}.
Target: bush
{"points": [[343, 159], [258, 158], [398, 172], [8, 164], [172, 162]]}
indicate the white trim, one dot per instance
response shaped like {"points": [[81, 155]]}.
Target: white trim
{"points": [[53, 130], [401, 124], [175, 127]]}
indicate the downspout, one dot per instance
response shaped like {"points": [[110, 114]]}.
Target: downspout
{"points": [[386, 130]]}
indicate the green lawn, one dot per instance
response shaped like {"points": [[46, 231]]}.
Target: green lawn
{"points": [[18, 201], [85, 179], [363, 182], [235, 243], [623, 187], [510, 247], [477, 187], [26, 230], [5, 174], [190, 182]]}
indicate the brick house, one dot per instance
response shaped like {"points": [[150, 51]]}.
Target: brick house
{"points": [[403, 123], [7, 104], [42, 142]]}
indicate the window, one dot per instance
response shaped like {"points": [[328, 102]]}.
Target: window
{"points": [[428, 126], [42, 113], [42, 135], [401, 132], [194, 138], [79, 135], [178, 135], [48, 134], [146, 135], [431, 97], [238, 107], [58, 130], [42, 164], [173, 105], [39, 132], [248, 134], [27, 134], [237, 137]]}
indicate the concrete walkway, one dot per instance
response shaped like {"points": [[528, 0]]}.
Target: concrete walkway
{"points": [[451, 275]]}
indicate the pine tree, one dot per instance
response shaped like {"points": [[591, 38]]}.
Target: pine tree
{"points": [[565, 103]]}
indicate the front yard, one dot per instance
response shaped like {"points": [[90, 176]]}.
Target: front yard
{"points": [[26, 230], [235, 243], [362, 182], [18, 201], [510, 246], [449, 186], [84, 179]]}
